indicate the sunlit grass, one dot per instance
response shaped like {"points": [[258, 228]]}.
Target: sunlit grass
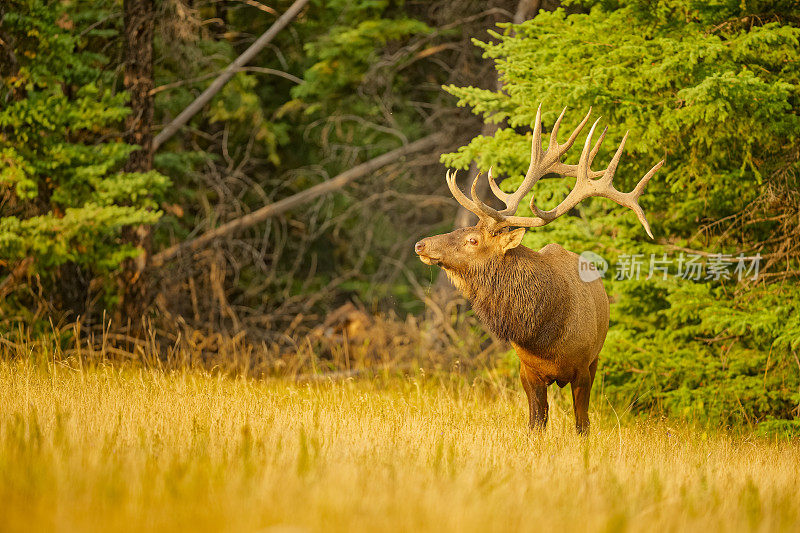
{"points": [[112, 449]]}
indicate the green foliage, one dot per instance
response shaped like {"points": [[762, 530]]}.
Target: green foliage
{"points": [[728, 361], [346, 53], [355, 67], [65, 198], [715, 91]]}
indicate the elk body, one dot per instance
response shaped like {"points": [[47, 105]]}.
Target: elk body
{"points": [[555, 318]]}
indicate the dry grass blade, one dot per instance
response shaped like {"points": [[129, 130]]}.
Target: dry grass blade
{"points": [[100, 448]]}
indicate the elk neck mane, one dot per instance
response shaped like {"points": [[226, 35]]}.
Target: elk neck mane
{"points": [[516, 296]]}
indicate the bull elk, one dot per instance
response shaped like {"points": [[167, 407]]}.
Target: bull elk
{"points": [[556, 321]]}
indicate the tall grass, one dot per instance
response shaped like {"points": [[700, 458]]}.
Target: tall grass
{"points": [[108, 447]]}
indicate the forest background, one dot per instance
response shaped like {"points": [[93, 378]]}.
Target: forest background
{"points": [[95, 215]]}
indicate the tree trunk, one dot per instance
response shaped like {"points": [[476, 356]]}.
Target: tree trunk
{"points": [[139, 18]]}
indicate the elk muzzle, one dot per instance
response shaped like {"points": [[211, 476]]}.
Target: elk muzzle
{"points": [[424, 250]]}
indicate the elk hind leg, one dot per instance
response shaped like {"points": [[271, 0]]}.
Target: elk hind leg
{"points": [[581, 389], [536, 391]]}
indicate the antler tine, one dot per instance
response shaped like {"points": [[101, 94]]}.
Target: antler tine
{"points": [[586, 187], [475, 205], [560, 149], [495, 189], [460, 197], [490, 211], [571, 170], [587, 155], [543, 162], [536, 141], [583, 184], [608, 174], [532, 175], [633, 197], [588, 182], [553, 144], [630, 199], [597, 145], [639, 189]]}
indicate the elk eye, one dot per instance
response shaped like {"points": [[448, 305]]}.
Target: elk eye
{"points": [[473, 241]]}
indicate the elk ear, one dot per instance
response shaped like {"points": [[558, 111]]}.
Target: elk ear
{"points": [[512, 239]]}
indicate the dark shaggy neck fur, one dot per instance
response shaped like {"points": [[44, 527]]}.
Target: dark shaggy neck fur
{"points": [[516, 297]]}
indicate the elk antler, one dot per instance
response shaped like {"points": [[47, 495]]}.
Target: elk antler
{"points": [[588, 182]]}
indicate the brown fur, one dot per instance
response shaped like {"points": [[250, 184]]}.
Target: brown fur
{"points": [[556, 322]]}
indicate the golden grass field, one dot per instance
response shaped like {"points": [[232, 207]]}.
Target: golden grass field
{"points": [[115, 448]]}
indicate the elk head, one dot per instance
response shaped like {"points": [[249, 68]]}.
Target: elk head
{"points": [[492, 238]]}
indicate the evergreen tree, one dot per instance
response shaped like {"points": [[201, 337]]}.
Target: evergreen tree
{"points": [[65, 196], [714, 88]]}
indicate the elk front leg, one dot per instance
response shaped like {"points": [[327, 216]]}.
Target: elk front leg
{"points": [[581, 389], [536, 390]]}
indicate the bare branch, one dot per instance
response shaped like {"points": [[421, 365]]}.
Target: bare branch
{"points": [[260, 70], [296, 200], [227, 74]]}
